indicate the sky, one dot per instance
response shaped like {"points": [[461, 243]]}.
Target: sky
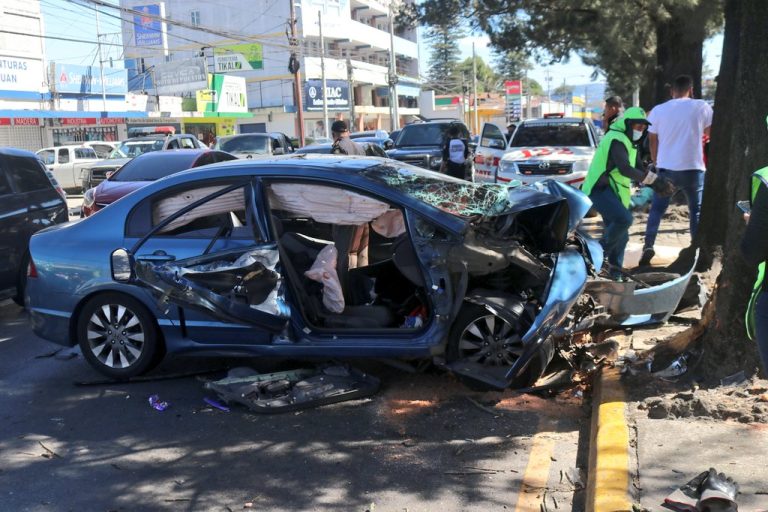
{"points": [[61, 16]]}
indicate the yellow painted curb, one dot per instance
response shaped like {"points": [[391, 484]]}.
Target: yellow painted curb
{"points": [[608, 484]]}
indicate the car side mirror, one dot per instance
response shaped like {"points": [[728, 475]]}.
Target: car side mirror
{"points": [[389, 144], [122, 265], [278, 151]]}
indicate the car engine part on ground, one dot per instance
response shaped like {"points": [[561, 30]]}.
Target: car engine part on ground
{"points": [[294, 390]]}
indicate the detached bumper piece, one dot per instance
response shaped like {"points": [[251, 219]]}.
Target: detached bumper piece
{"points": [[273, 393]]}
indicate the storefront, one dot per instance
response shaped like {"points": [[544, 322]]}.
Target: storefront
{"points": [[71, 130], [22, 132]]}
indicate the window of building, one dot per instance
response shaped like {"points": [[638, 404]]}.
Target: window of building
{"points": [[195, 16]]}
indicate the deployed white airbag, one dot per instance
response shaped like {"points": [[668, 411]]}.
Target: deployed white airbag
{"points": [[325, 204]]}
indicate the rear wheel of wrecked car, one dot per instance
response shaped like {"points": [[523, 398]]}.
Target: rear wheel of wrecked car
{"points": [[118, 336], [482, 337]]}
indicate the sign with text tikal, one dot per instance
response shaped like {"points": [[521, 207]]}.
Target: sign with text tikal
{"points": [[238, 57], [336, 91]]}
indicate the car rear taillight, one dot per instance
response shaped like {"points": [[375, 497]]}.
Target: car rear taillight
{"points": [[31, 269], [495, 161]]}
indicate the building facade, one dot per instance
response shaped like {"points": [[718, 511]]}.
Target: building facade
{"points": [[251, 41]]}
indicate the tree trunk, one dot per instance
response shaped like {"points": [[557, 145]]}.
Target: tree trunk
{"points": [[679, 47], [739, 147]]}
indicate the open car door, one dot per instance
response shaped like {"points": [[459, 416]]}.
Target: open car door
{"points": [[207, 254], [490, 149]]}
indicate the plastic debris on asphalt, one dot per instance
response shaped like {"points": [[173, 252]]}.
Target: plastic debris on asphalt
{"points": [[216, 405], [157, 404]]}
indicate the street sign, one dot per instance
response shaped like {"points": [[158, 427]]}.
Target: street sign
{"points": [[513, 87], [238, 57]]}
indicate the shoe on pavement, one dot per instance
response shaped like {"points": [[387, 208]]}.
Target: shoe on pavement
{"points": [[645, 259]]}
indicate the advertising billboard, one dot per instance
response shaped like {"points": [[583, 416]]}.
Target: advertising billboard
{"points": [[17, 74], [148, 28], [337, 93], [72, 79], [238, 57], [227, 94], [182, 76]]}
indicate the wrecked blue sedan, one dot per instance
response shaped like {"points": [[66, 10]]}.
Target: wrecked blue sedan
{"points": [[319, 256]]}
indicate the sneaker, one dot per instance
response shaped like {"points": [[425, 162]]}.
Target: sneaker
{"points": [[645, 259]]}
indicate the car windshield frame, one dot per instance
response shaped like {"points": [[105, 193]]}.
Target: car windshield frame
{"points": [[120, 151], [224, 145], [170, 163], [403, 140], [551, 135], [457, 197]]}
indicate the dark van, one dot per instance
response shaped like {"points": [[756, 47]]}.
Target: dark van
{"points": [[29, 202]]}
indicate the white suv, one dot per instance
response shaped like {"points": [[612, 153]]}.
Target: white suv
{"points": [[559, 148]]}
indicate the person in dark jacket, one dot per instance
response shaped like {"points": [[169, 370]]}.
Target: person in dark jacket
{"points": [[754, 248], [455, 154], [611, 111], [342, 144]]}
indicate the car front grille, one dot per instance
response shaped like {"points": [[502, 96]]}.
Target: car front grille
{"points": [[418, 161], [99, 174], [545, 168]]}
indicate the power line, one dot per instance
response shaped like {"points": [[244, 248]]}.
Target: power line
{"points": [[39, 36]]}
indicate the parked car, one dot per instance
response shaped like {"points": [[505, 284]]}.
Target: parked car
{"points": [[29, 202], [383, 142], [372, 134], [326, 257], [420, 144], [559, 148], [67, 162], [97, 172], [144, 169], [249, 145]]}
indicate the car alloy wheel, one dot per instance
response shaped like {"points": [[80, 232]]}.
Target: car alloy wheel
{"points": [[491, 341], [118, 336]]}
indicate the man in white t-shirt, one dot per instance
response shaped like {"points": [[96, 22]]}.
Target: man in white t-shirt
{"points": [[676, 135]]}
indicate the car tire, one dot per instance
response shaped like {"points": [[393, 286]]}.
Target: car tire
{"points": [[21, 284], [475, 325], [133, 348]]}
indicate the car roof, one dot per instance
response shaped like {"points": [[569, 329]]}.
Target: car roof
{"points": [[171, 153], [66, 146], [553, 120], [7, 151], [158, 136]]}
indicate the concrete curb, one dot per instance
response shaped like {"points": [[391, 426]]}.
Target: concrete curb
{"points": [[609, 473]]}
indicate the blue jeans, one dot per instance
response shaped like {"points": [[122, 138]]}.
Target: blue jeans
{"points": [[616, 222], [692, 185], [761, 328]]}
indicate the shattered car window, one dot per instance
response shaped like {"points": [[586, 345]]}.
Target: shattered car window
{"points": [[452, 195]]}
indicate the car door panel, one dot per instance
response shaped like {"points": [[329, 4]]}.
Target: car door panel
{"points": [[164, 262], [490, 149]]}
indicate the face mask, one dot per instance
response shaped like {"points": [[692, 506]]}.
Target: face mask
{"points": [[637, 134]]}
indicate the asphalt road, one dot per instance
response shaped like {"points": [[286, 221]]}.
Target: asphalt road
{"points": [[424, 443]]}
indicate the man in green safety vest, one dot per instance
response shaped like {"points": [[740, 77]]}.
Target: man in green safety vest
{"points": [[754, 247], [609, 180]]}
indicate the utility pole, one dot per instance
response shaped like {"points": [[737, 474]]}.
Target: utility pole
{"points": [[101, 65], [322, 71], [464, 98], [474, 88], [293, 66], [393, 68], [351, 95]]}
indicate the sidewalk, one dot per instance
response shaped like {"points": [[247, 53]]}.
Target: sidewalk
{"points": [[635, 460]]}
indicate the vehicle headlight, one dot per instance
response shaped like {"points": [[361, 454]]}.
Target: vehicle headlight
{"points": [[508, 167], [89, 198], [435, 162], [580, 166]]}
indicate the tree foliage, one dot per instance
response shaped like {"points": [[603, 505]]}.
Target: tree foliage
{"points": [[444, 54], [511, 64], [487, 79], [640, 43]]}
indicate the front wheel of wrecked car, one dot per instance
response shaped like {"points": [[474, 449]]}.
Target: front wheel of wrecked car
{"points": [[118, 336], [481, 337]]}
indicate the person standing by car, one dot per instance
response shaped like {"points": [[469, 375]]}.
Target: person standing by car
{"points": [[342, 144], [676, 135], [611, 111], [613, 168], [455, 154], [754, 248]]}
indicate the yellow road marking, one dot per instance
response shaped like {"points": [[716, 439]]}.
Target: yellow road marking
{"points": [[537, 471], [609, 448]]}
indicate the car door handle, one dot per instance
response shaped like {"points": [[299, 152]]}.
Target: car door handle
{"points": [[157, 256]]}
